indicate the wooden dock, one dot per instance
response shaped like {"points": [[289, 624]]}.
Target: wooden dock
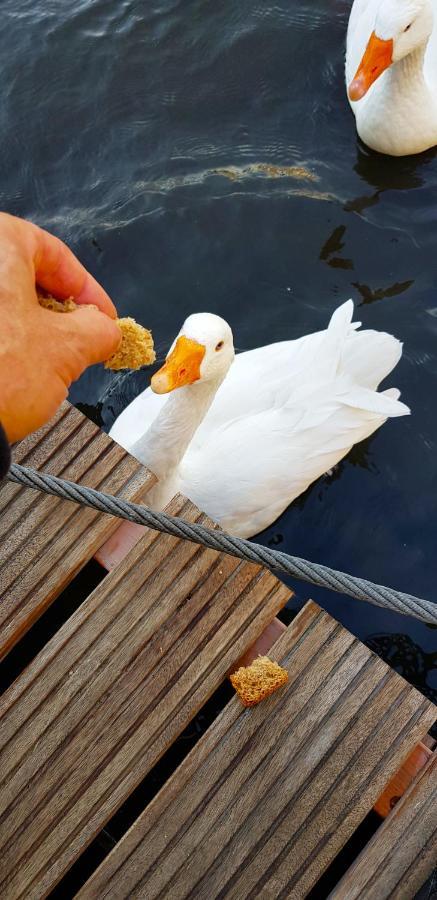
{"points": [[265, 801]]}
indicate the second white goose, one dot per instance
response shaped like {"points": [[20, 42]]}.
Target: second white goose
{"points": [[391, 74]]}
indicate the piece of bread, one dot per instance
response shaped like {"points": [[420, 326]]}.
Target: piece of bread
{"points": [[136, 348], [255, 682]]}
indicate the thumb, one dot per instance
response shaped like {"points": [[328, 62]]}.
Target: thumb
{"points": [[87, 336]]}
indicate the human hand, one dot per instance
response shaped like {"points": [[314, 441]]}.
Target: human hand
{"points": [[42, 352]]}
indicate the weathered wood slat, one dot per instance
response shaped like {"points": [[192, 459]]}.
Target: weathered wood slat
{"points": [[403, 852], [46, 541], [270, 794], [93, 713]]}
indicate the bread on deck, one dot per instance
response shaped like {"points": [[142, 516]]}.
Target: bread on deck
{"points": [[255, 682]]}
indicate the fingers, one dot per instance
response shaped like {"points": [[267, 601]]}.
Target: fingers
{"points": [[55, 267], [86, 337], [38, 367], [59, 272]]}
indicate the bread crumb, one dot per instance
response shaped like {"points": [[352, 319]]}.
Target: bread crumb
{"points": [[62, 306], [136, 348], [256, 682]]}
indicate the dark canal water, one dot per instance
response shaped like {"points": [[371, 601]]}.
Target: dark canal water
{"points": [[146, 134]]}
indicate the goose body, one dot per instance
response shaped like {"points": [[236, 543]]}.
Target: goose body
{"points": [[391, 74], [247, 437]]}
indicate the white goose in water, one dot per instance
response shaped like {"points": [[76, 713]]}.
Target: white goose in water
{"points": [[243, 438], [391, 74]]}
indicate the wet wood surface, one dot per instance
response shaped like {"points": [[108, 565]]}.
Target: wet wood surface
{"points": [[403, 852], [112, 690], [269, 795], [46, 541]]}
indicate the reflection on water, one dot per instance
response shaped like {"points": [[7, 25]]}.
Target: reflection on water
{"points": [[266, 170], [181, 148], [335, 244], [407, 658], [369, 295], [392, 173], [385, 174], [232, 173]]}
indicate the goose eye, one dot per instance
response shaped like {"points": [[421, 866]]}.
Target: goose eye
{"points": [[220, 345], [408, 27]]}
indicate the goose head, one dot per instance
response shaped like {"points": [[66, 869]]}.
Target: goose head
{"points": [[401, 27], [202, 352]]}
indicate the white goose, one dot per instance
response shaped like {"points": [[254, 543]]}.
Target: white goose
{"points": [[391, 74], [243, 438]]}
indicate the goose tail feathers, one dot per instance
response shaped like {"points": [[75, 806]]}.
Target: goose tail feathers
{"points": [[362, 360]]}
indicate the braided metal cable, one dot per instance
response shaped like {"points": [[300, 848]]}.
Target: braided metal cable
{"points": [[406, 604]]}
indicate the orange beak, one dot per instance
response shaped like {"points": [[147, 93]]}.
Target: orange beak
{"points": [[181, 367], [378, 56]]}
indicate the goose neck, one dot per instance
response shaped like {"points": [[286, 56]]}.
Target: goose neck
{"points": [[165, 443], [407, 75]]}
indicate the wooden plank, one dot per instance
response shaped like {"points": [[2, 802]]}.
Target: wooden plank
{"points": [[110, 692], [46, 541], [269, 795], [403, 852], [121, 542], [402, 779]]}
